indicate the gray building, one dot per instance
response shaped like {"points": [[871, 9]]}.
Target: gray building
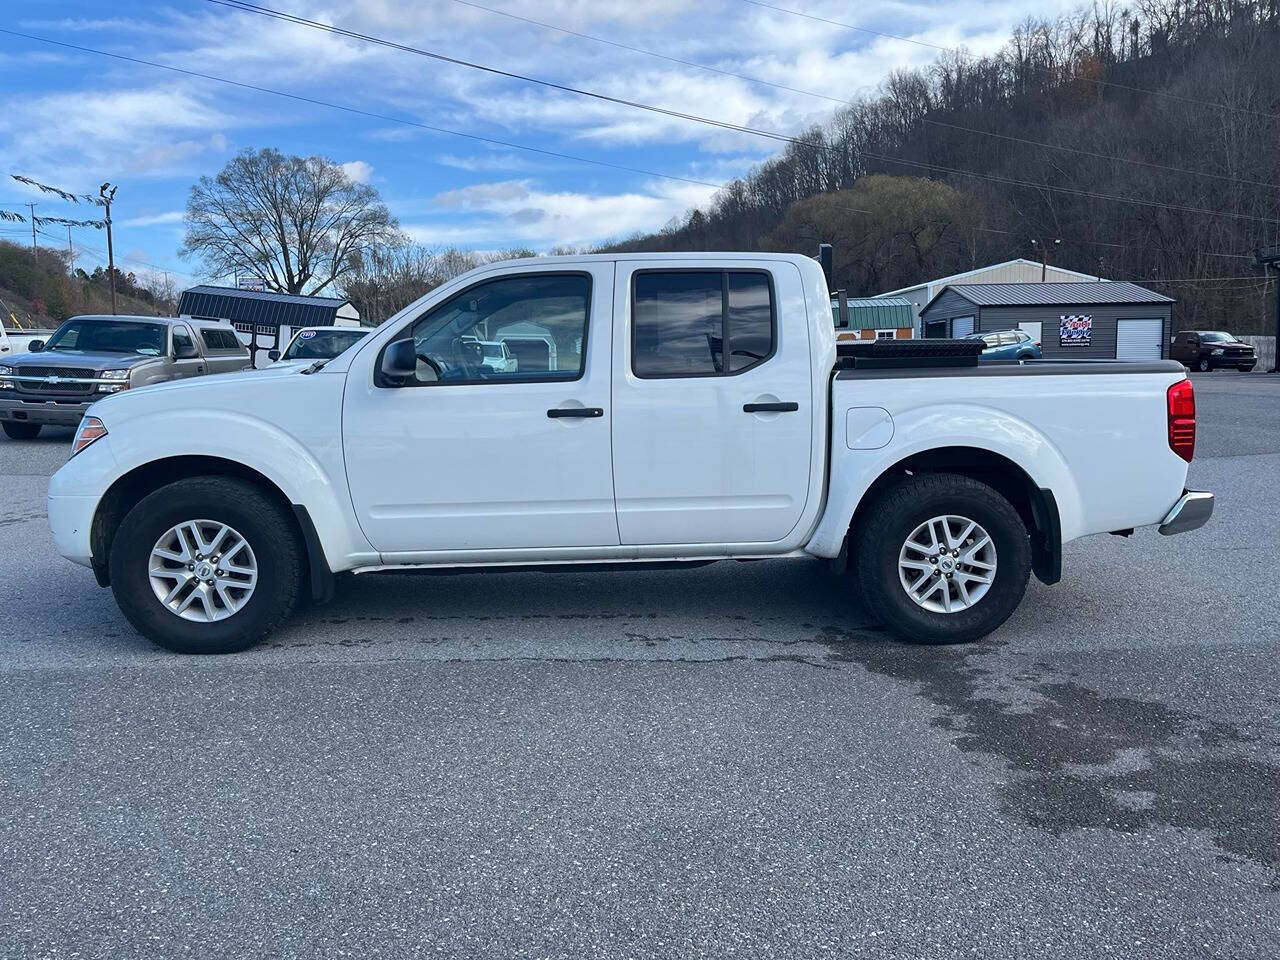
{"points": [[1109, 319]]}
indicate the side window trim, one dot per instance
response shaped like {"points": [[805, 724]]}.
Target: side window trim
{"points": [[406, 331], [725, 333]]}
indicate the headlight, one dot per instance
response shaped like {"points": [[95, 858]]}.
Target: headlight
{"points": [[5, 371], [90, 429], [122, 375], [1218, 352]]}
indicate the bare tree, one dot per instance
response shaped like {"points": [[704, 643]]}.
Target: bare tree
{"points": [[294, 222]]}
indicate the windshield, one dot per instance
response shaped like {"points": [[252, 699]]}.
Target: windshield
{"points": [[321, 344], [1216, 336], [94, 335]]}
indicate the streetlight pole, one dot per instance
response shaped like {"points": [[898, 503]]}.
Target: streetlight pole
{"points": [[1044, 256], [107, 196]]}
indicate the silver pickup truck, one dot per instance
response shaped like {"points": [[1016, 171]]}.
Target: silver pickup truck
{"points": [[90, 357]]}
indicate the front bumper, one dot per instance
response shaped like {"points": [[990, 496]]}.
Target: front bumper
{"points": [[1192, 511], [44, 412]]}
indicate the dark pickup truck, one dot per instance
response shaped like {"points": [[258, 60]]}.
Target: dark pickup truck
{"points": [[1207, 350], [90, 357]]}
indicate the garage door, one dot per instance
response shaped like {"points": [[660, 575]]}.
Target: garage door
{"points": [[1139, 339], [961, 326]]}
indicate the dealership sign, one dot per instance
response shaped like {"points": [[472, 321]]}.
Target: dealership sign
{"points": [[1075, 331]]}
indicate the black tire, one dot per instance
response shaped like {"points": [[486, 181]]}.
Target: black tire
{"points": [[17, 430], [885, 526], [271, 533], [1204, 366]]}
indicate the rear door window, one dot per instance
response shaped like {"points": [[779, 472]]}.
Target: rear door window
{"points": [[681, 321]]}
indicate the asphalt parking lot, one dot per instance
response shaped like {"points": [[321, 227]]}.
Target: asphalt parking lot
{"points": [[723, 761]]}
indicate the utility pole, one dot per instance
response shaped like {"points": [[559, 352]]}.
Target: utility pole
{"points": [[33, 228], [107, 196], [1044, 256], [71, 253]]}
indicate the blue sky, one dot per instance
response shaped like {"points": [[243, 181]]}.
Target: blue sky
{"points": [[74, 119]]}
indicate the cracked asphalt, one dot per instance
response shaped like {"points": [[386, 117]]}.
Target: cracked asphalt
{"points": [[729, 760]]}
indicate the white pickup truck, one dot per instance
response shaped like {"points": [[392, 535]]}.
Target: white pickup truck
{"points": [[672, 409]]}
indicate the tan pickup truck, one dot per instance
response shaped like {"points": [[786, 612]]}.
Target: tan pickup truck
{"points": [[90, 357]]}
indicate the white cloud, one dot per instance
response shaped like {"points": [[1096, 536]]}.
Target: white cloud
{"points": [[154, 219], [357, 171], [519, 212]]}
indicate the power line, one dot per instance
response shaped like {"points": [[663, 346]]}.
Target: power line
{"points": [[801, 142], [385, 118], [968, 56], [843, 101]]}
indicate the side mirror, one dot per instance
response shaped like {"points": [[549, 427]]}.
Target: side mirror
{"points": [[35, 346], [186, 353], [273, 355], [399, 362]]}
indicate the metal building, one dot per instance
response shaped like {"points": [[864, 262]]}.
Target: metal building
{"points": [[1010, 271], [266, 321], [1107, 319], [876, 318]]}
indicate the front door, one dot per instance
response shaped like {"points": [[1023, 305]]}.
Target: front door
{"points": [[712, 406], [187, 361], [463, 456]]}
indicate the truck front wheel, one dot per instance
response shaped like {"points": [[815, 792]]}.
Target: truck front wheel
{"points": [[941, 558], [207, 565], [19, 430]]}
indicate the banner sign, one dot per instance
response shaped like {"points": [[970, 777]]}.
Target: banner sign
{"points": [[1075, 331]]}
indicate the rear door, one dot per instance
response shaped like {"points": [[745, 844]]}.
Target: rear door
{"points": [[712, 403]]}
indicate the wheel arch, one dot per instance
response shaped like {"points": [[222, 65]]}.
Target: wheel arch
{"points": [[1036, 505], [129, 488]]}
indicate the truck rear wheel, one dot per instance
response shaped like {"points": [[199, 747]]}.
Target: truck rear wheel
{"points": [[17, 430], [207, 565], [941, 558]]}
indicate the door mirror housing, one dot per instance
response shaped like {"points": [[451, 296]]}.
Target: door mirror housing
{"points": [[36, 346], [273, 355], [399, 362], [188, 352]]}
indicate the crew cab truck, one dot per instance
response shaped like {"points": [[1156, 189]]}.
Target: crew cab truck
{"points": [[89, 357], [696, 410]]}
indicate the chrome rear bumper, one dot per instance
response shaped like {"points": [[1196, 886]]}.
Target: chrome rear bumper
{"points": [[1192, 511]]}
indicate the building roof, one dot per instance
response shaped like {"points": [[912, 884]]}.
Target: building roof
{"points": [[1052, 294], [1018, 261], [883, 313], [265, 309]]}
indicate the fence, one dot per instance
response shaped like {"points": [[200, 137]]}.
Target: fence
{"points": [[1266, 348]]}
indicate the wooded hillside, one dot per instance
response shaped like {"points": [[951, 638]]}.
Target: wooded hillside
{"points": [[1143, 138]]}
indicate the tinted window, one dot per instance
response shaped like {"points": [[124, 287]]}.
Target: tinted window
{"points": [[541, 319], [321, 344], [219, 339], [750, 320], [182, 340], [681, 320]]}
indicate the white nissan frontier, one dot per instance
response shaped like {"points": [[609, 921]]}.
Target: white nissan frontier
{"points": [[666, 408]]}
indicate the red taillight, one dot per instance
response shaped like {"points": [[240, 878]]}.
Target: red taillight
{"points": [[1182, 419]]}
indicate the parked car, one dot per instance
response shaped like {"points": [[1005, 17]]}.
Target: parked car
{"points": [[318, 343], [709, 416], [1008, 345], [497, 357], [1207, 350], [92, 356], [6, 345]]}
